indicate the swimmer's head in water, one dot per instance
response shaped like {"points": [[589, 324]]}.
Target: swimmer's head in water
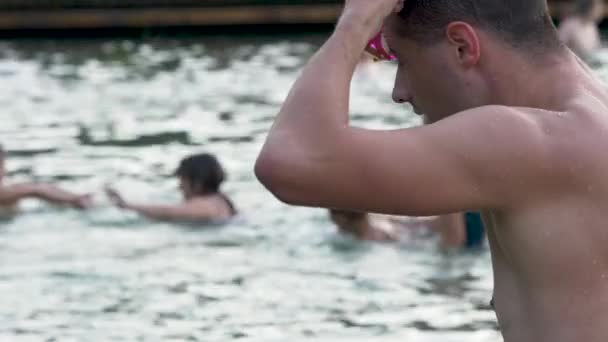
{"points": [[344, 219], [590, 9], [200, 174], [2, 169], [440, 46]]}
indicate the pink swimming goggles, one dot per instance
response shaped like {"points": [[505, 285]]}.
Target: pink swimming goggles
{"points": [[378, 48]]}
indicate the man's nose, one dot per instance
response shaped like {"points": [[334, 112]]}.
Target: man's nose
{"points": [[401, 93]]}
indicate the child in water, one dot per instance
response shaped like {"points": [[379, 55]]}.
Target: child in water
{"points": [[201, 177], [11, 195]]}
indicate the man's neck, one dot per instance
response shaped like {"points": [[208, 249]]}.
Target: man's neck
{"points": [[546, 84]]}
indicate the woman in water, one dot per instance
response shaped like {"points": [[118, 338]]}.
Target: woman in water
{"points": [[200, 178]]}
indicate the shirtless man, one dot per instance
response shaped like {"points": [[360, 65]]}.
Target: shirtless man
{"points": [[11, 195], [201, 177], [519, 130], [580, 31]]}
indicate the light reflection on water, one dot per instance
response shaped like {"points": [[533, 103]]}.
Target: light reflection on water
{"points": [[83, 113]]}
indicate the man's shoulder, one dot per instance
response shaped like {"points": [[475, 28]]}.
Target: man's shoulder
{"points": [[499, 136], [497, 119], [528, 117], [501, 110]]}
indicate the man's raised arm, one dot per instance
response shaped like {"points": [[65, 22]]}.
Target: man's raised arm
{"points": [[316, 110], [465, 162]]}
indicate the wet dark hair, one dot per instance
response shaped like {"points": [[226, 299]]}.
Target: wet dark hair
{"points": [[204, 173], [349, 215], [585, 7], [520, 23]]}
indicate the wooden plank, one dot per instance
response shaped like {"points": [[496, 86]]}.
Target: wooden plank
{"points": [[159, 17], [229, 13], [113, 4]]}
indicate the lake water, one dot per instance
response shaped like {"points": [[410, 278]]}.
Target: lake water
{"points": [[87, 113]]}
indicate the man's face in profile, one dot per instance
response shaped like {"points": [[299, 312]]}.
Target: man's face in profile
{"points": [[429, 76]]}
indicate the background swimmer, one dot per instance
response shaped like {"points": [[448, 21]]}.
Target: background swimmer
{"points": [[455, 230], [365, 226], [200, 178], [580, 31]]}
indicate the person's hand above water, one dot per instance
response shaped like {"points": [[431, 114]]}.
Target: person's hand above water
{"points": [[53, 194], [370, 14], [115, 197]]}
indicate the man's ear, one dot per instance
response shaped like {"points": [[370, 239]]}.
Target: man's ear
{"points": [[465, 42]]}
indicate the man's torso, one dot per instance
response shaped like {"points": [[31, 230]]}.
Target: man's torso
{"points": [[550, 254]]}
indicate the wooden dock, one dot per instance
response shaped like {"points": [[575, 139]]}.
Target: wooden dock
{"points": [[109, 14]]}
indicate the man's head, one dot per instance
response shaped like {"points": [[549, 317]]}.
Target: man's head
{"points": [[200, 174], [590, 9], [443, 49]]}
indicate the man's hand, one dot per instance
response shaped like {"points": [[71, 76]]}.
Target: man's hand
{"points": [[370, 14]]}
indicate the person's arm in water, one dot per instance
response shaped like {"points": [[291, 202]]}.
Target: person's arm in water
{"points": [[11, 194], [187, 211], [451, 228], [313, 157]]}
